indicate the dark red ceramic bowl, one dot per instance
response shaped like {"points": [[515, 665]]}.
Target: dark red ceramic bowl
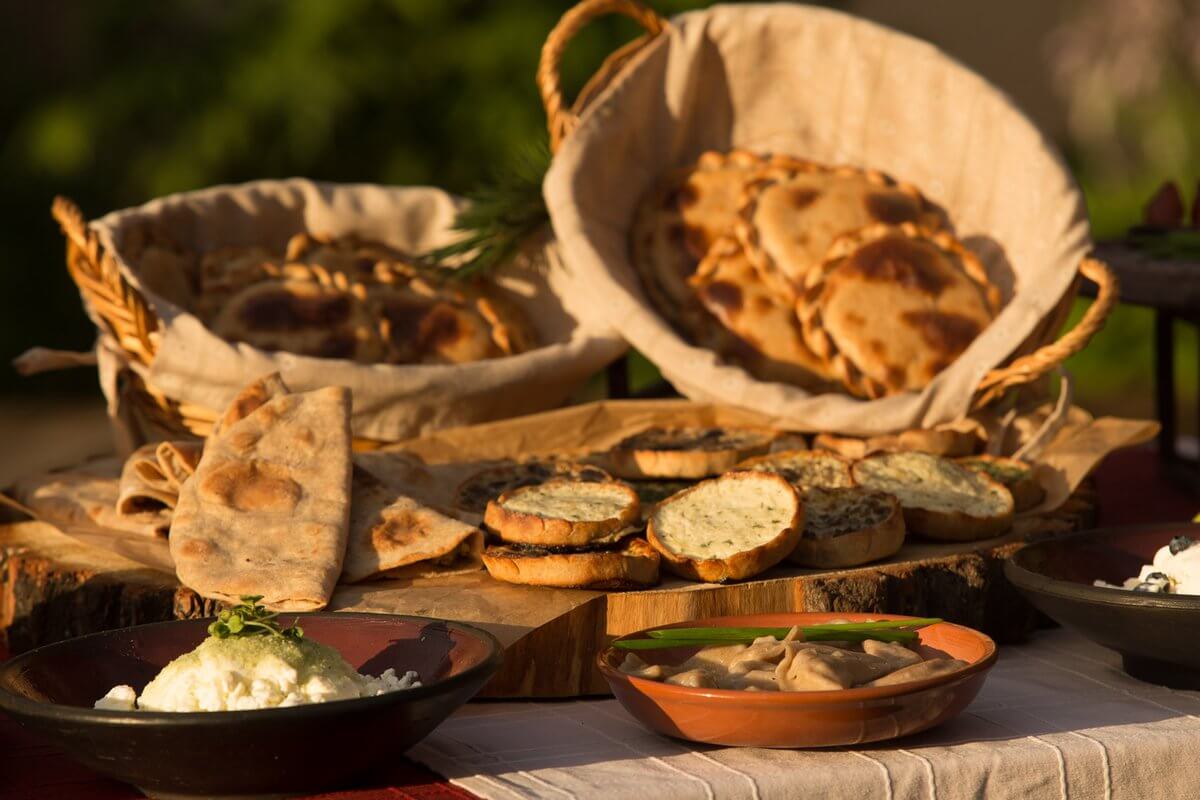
{"points": [[1155, 634], [271, 752], [802, 719]]}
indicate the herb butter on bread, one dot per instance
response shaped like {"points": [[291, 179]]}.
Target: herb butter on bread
{"points": [[632, 565], [941, 499], [564, 513], [847, 527], [805, 468], [1015, 474], [728, 528]]}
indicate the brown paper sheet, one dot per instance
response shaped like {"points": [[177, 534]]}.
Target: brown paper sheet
{"points": [[822, 85], [391, 402], [430, 468]]}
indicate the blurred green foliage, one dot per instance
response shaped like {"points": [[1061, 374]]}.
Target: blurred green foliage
{"points": [[114, 103]]}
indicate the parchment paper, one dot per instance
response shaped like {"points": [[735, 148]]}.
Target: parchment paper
{"points": [[430, 468], [391, 402], [818, 84]]}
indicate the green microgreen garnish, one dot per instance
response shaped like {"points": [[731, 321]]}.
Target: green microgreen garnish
{"points": [[248, 618], [901, 630]]}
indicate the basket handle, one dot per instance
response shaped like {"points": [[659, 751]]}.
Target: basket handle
{"points": [[1029, 368], [561, 120], [104, 289]]}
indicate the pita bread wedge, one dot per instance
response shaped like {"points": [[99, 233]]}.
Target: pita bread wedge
{"points": [[152, 475], [389, 530], [250, 398], [267, 511]]}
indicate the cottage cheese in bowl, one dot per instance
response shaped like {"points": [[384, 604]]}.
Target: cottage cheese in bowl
{"points": [[1175, 570]]}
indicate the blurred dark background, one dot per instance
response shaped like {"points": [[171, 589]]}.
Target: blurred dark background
{"points": [[114, 103]]}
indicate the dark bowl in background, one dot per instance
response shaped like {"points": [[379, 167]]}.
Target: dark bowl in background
{"points": [[1157, 635], [276, 752]]}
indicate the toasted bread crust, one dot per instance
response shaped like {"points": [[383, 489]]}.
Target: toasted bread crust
{"points": [[634, 460], [739, 566], [778, 463], [947, 525], [634, 566], [1027, 491], [857, 547], [520, 527]]}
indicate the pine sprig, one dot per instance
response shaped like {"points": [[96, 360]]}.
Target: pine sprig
{"points": [[498, 219], [250, 619]]}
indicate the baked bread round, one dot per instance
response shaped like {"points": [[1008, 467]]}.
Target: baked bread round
{"points": [[791, 215], [943, 442], [727, 528], [476, 491], [732, 291], [941, 499], [847, 527], [564, 513], [805, 469], [634, 565], [1016, 475], [303, 318], [891, 307], [686, 452]]}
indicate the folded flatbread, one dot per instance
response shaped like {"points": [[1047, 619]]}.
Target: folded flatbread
{"points": [[86, 497], [267, 510], [153, 474], [389, 530], [249, 398]]}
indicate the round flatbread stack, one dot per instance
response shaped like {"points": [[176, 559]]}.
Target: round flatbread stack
{"points": [[791, 216], [564, 513], [892, 306], [731, 289]]}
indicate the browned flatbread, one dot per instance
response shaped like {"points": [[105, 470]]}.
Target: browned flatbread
{"points": [[359, 260], [891, 307], [250, 398], [226, 271], [266, 512], [731, 289], [301, 317], [153, 473], [389, 530], [793, 214], [86, 497]]}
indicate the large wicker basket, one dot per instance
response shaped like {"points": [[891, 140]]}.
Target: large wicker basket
{"points": [[1041, 352], [404, 400]]}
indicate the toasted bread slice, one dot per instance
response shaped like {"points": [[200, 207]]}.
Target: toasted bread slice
{"points": [[686, 452], [805, 469], [847, 527], [564, 513], [941, 499], [728, 528], [944, 442], [632, 566], [1015, 474], [474, 493]]}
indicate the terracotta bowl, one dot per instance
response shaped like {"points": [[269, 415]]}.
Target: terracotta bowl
{"points": [[802, 719], [1155, 634], [279, 752]]}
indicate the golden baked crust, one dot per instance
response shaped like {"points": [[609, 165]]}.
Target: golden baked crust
{"points": [[938, 441], [686, 452], [477, 490], [633, 566], [1015, 474], [847, 527], [732, 291], [892, 306], [772, 545], [804, 469], [528, 515], [792, 214]]}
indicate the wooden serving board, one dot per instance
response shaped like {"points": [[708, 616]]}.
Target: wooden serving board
{"points": [[53, 587]]}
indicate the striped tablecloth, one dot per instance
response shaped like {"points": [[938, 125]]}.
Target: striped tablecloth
{"points": [[1056, 719]]}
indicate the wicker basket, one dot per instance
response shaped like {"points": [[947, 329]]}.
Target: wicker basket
{"points": [[133, 335], [1042, 352]]}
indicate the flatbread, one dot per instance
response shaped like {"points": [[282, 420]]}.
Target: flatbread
{"points": [[732, 290], [302, 317], [891, 307], [251, 397], [389, 530], [86, 497], [153, 474], [267, 511], [792, 215]]}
